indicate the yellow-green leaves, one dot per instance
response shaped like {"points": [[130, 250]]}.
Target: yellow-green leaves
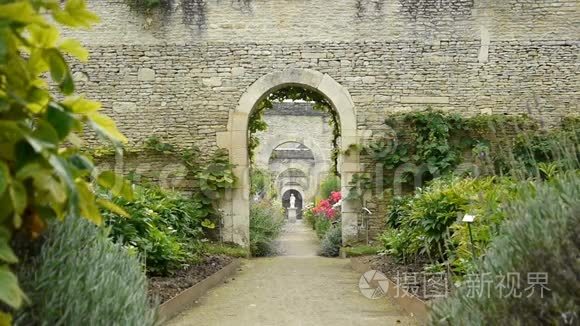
{"points": [[74, 48], [117, 184], [20, 11], [43, 36], [59, 71], [106, 127], [75, 14], [4, 177], [6, 253], [80, 105], [10, 292], [41, 177], [110, 206]]}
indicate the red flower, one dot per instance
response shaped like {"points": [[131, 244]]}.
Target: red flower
{"points": [[335, 197]]}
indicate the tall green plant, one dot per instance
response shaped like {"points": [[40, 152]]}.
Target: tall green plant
{"points": [[266, 222], [329, 185], [539, 247], [81, 277], [43, 175]]}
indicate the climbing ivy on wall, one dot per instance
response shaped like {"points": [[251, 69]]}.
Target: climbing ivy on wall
{"points": [[294, 93], [440, 141], [212, 177]]}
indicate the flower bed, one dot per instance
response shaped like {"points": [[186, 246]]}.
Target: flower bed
{"points": [[167, 287]]}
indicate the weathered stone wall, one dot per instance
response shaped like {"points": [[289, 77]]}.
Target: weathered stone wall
{"points": [[179, 71]]}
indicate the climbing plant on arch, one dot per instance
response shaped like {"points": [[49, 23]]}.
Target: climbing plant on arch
{"points": [[236, 140]]}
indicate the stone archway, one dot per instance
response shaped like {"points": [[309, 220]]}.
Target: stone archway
{"points": [[236, 205], [294, 178]]}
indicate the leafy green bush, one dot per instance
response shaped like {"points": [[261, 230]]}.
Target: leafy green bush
{"points": [[261, 184], [540, 236], [43, 174], [332, 241], [329, 185], [164, 226], [81, 277], [266, 222], [310, 218], [397, 211], [427, 224], [321, 225]]}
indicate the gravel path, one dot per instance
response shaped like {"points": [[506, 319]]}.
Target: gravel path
{"points": [[296, 288]]}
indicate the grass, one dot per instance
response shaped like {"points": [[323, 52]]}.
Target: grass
{"points": [[362, 250], [231, 250]]}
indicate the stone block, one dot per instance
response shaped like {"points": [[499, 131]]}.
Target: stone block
{"points": [[424, 99], [146, 74], [212, 82]]}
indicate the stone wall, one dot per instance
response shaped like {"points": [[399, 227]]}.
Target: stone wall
{"points": [[178, 71]]}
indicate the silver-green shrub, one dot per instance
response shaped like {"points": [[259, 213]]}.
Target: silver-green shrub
{"points": [[330, 245], [81, 277], [541, 236]]}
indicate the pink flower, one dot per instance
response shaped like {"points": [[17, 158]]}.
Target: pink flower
{"points": [[335, 197]]}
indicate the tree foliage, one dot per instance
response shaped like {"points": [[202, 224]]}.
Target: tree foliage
{"points": [[43, 175]]}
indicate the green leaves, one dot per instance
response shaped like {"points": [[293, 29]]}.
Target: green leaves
{"points": [[10, 292], [20, 11], [75, 14], [116, 184], [6, 253], [40, 177], [59, 71], [62, 122], [106, 127], [4, 177], [74, 48]]}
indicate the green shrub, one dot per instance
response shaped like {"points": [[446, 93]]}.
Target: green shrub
{"points": [[81, 277], [266, 222], [540, 236], [329, 185], [332, 241], [310, 218], [261, 184], [231, 250], [397, 211], [321, 225], [164, 226], [43, 171], [427, 224], [362, 250]]}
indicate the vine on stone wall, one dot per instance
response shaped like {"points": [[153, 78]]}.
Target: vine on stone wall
{"points": [[439, 142], [211, 177]]}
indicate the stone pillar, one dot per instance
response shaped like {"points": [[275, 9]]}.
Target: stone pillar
{"points": [[292, 215]]}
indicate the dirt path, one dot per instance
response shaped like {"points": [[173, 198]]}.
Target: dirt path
{"points": [[297, 288]]}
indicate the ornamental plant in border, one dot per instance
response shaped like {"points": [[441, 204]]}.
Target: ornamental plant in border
{"points": [[43, 175]]}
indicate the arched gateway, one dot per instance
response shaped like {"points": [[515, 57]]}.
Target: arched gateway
{"points": [[236, 204]]}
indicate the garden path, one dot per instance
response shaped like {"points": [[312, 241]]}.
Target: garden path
{"points": [[296, 288]]}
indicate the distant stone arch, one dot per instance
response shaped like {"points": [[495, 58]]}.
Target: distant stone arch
{"points": [[299, 200], [266, 150], [237, 204]]}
